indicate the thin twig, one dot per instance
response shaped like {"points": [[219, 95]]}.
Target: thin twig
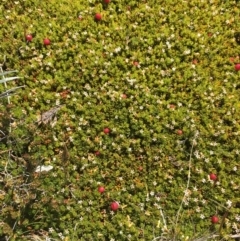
{"points": [[10, 92], [188, 181], [5, 85], [1, 152]]}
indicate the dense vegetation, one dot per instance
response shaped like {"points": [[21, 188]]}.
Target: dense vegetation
{"points": [[127, 127]]}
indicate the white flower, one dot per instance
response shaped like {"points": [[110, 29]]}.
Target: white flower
{"points": [[196, 154], [54, 174], [131, 81], [187, 192], [168, 45], [213, 144], [198, 209], [118, 49], [229, 203], [206, 160], [186, 52], [195, 189]]}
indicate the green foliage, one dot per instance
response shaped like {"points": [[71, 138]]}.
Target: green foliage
{"points": [[145, 71]]}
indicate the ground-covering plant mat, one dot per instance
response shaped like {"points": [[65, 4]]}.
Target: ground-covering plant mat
{"points": [[127, 127]]}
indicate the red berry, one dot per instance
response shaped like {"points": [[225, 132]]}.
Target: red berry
{"points": [[172, 106], [213, 176], [46, 41], [29, 37], [106, 130], [97, 153], [135, 63], [98, 16], [237, 67], [214, 219], [124, 96], [101, 189], [140, 168], [114, 206], [179, 132], [106, 1]]}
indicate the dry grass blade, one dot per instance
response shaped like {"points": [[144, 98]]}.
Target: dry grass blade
{"points": [[7, 72], [205, 237], [10, 92], [47, 116], [34, 237]]}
